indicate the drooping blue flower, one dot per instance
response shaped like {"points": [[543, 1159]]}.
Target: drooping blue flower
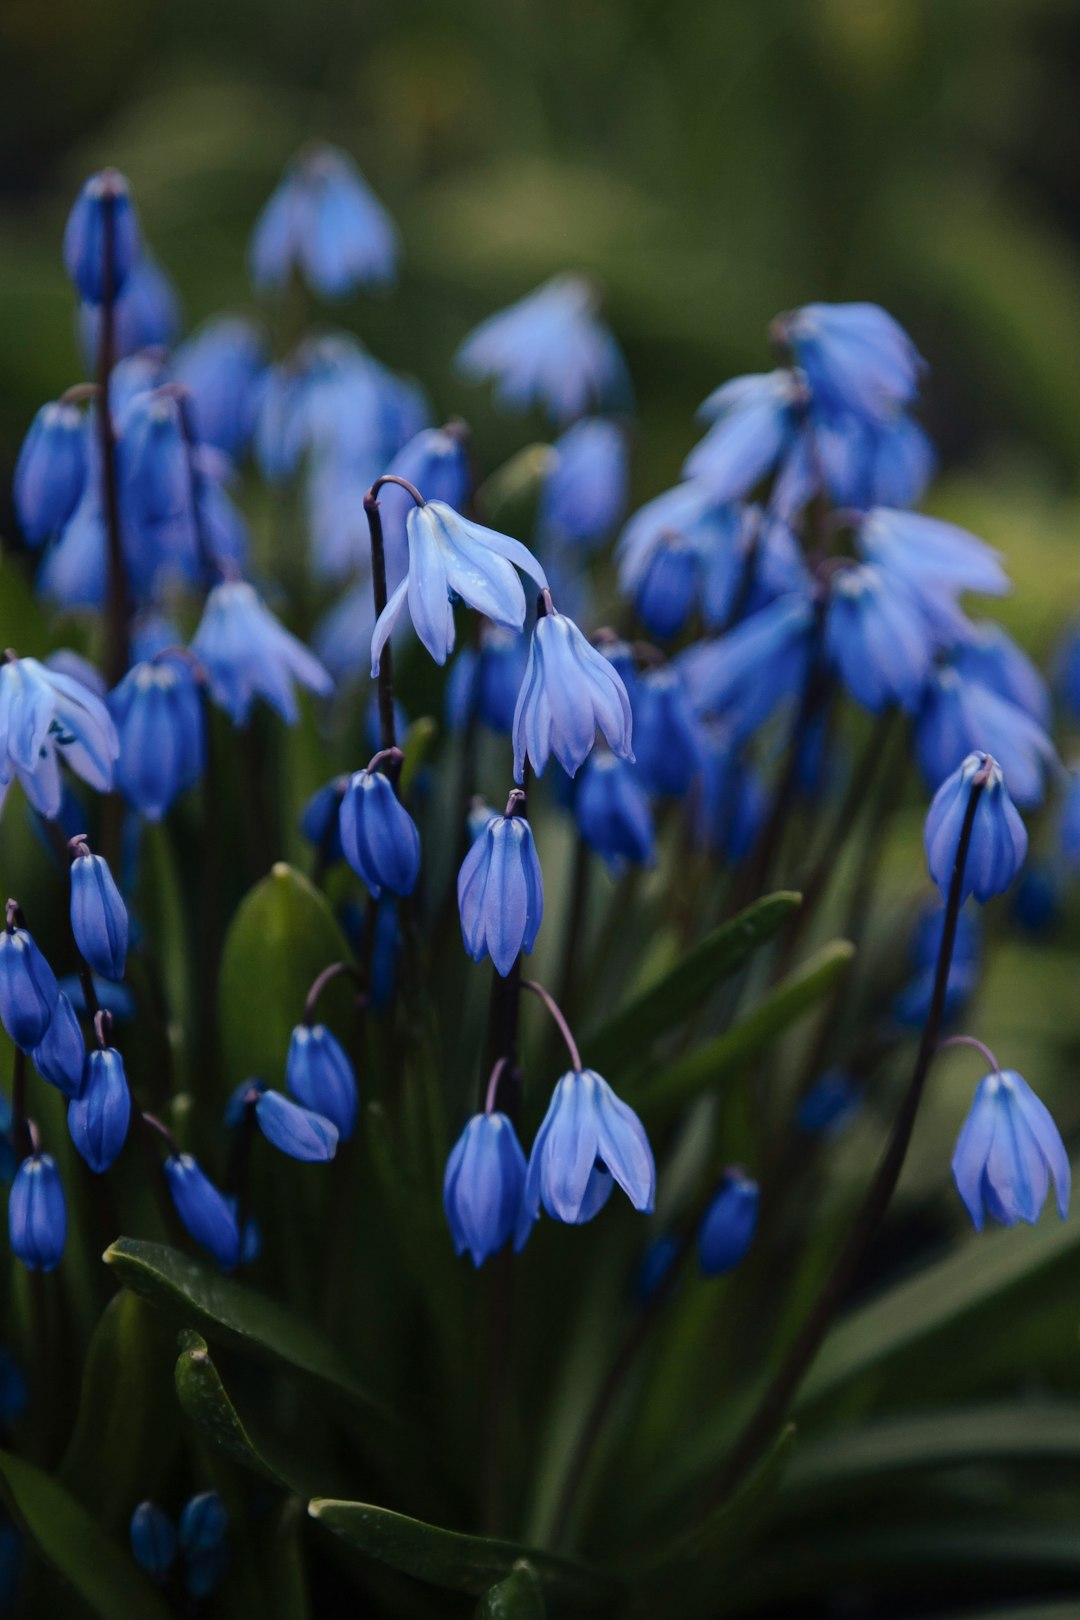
{"points": [[569, 692], [829, 1106], [50, 473], [99, 1116], [501, 893], [549, 349], [203, 1523], [220, 365], [294, 1130], [998, 836], [744, 674], [585, 487], [436, 462], [342, 636], [101, 238], [728, 1225], [319, 820], [958, 716], [682, 545], [483, 1188], [153, 1541], [325, 223], [160, 722], [379, 837], [877, 639], [99, 919], [1007, 1152], [28, 989], [590, 1140], [911, 1007], [247, 654], [46, 716], [865, 462], [753, 420], [855, 357], [992, 658], [667, 736], [204, 1211], [451, 557], [486, 681], [37, 1213], [60, 1055], [727, 802], [668, 587], [320, 1076], [936, 560], [613, 813], [145, 316]]}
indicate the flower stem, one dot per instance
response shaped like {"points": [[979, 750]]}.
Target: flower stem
{"points": [[387, 737], [563, 1026], [118, 604]]}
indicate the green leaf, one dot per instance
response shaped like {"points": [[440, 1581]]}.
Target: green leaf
{"points": [[460, 1563], [680, 1082], [103, 1573], [282, 936], [519, 1597], [204, 1402], [680, 992]]}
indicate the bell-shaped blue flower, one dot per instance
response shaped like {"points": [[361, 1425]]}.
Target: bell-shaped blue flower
{"points": [[379, 837], [220, 365], [60, 1055], [145, 316], [99, 919], [248, 654], [294, 1130], [98, 1118], [501, 892], [28, 989], [865, 462], [46, 716], [855, 357], [153, 1541], [668, 587], [998, 837], [959, 716], [667, 736], [37, 1213], [877, 639], [483, 1188], [590, 1140], [51, 470], [320, 820], [101, 238], [753, 420], [1007, 1152], [991, 658], [203, 1210], [549, 349], [325, 223], [159, 719], [436, 462], [569, 692], [319, 1075], [613, 813], [585, 487], [935, 560], [728, 1225], [727, 802], [744, 674]]}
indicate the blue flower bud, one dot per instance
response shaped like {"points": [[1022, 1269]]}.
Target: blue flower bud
{"points": [[378, 835], [60, 1055], [99, 918], [1007, 1152], [613, 813], [37, 1213], [728, 1225], [153, 1541], [320, 1076], [51, 471], [501, 893], [28, 989], [101, 239], [203, 1210], [14, 1396], [296, 1131], [570, 690], [668, 587], [203, 1523], [162, 729], [998, 836], [98, 1118], [588, 1141], [483, 1187], [667, 737]]}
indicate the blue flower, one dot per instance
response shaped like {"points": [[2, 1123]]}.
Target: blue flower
{"points": [[60, 1055], [1066, 674], [829, 1106], [613, 812], [248, 654], [145, 316], [28, 989], [667, 736], [1069, 821], [877, 638], [589, 1141], [744, 674], [867, 463], [436, 461], [753, 419], [483, 1188], [115, 999], [46, 716], [159, 719], [668, 587], [204, 1212], [855, 357], [449, 556], [501, 893], [678, 545], [99, 919], [1007, 1152], [153, 1541], [342, 637], [299, 1132], [220, 365], [728, 801], [14, 1395], [319, 820], [936, 561], [998, 836], [103, 213], [991, 658], [37, 1213], [51, 470], [585, 486], [378, 835], [99, 1116], [548, 349], [203, 1523], [325, 223], [958, 716], [728, 1225], [486, 682], [569, 692], [320, 1076]]}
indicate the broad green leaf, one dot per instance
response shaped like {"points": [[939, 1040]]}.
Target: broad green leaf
{"points": [[458, 1562], [282, 936], [102, 1572], [681, 991], [678, 1083], [204, 1402], [519, 1597]]}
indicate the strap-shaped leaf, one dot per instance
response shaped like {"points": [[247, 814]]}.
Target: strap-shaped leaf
{"points": [[519, 1597]]}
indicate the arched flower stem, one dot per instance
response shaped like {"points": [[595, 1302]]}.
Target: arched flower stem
{"points": [[969, 1040], [563, 1027], [327, 975]]}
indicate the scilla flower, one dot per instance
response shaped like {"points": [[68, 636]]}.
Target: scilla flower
{"points": [[153, 1541], [159, 718], [145, 316], [569, 692], [46, 716], [992, 658], [667, 736], [877, 638], [28, 987], [584, 491], [449, 555], [436, 462], [101, 239], [613, 813], [856, 357], [483, 1188], [1007, 1152], [753, 422], [220, 366], [37, 1213], [958, 715], [501, 891], [203, 1210], [98, 1118], [728, 1225], [60, 1055], [296, 1131], [744, 674], [248, 654], [99, 919], [51, 471], [998, 837], [324, 222], [934, 559], [589, 1141], [319, 1075], [379, 838]]}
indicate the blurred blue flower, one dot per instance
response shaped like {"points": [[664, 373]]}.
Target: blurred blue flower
{"points": [[868, 463], [158, 713], [500, 892], [220, 365], [46, 716], [1037, 898], [99, 919], [436, 461], [248, 654], [745, 673], [101, 238], [613, 812], [855, 357], [324, 223], [958, 716], [829, 1106], [992, 658], [294, 1130], [378, 836], [727, 802], [205, 1213], [145, 316], [998, 836], [589, 1141], [319, 1075], [1007, 1152], [483, 1188], [203, 1523], [342, 637], [655, 1268], [936, 561], [728, 1225], [485, 681], [99, 1116], [153, 1541], [37, 1214], [586, 484], [319, 819], [877, 638], [50, 473], [60, 1055], [28, 988], [569, 692], [115, 999], [753, 420], [667, 736], [1069, 822]]}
